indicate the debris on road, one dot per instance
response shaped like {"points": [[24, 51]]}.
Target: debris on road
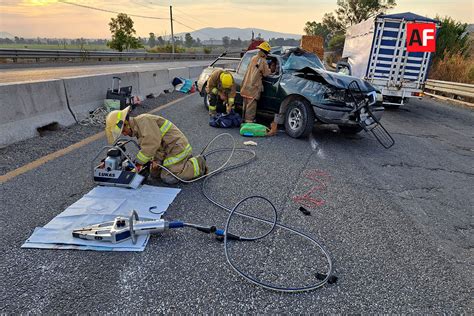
{"points": [[305, 211], [95, 118], [331, 280], [183, 85], [250, 143]]}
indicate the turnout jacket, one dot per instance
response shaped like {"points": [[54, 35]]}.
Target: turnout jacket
{"points": [[159, 140], [252, 85], [214, 82]]}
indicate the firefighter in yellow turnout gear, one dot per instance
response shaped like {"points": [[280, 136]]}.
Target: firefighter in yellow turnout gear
{"points": [[161, 142], [252, 85], [221, 90]]}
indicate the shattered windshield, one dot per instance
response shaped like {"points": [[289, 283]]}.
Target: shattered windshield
{"points": [[297, 62]]}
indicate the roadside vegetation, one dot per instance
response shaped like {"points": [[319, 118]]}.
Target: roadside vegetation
{"points": [[333, 26], [454, 56]]}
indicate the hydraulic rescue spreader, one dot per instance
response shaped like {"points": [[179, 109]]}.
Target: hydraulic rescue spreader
{"points": [[122, 229]]}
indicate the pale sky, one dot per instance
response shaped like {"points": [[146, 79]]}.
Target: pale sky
{"points": [[50, 18]]}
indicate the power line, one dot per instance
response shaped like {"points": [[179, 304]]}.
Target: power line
{"points": [[199, 21], [110, 11], [142, 5]]}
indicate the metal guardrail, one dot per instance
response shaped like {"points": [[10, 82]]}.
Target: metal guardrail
{"points": [[450, 88], [16, 54]]}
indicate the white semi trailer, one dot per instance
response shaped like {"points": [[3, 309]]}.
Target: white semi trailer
{"points": [[376, 51]]}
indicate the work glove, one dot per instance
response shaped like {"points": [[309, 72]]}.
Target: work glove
{"points": [[230, 105], [138, 167], [214, 91]]}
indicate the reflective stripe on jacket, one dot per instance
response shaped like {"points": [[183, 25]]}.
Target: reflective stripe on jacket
{"points": [[197, 170], [159, 140]]}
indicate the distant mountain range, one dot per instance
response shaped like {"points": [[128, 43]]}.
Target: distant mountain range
{"points": [[216, 34], [209, 33]]}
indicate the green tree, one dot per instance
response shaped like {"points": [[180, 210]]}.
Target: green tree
{"points": [[188, 40], [348, 12], [152, 40], [161, 41], [123, 33], [337, 43], [226, 41], [452, 39], [319, 29]]}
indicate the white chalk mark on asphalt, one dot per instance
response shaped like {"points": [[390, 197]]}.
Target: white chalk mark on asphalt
{"points": [[315, 146]]}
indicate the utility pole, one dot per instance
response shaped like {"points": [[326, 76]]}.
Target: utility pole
{"points": [[172, 33]]}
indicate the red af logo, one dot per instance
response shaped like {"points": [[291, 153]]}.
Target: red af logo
{"points": [[421, 37]]}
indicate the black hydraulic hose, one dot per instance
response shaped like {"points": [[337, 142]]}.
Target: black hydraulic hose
{"points": [[233, 211]]}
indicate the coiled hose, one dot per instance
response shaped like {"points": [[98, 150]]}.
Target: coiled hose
{"points": [[233, 212]]}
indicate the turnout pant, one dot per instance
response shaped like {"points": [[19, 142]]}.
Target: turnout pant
{"points": [[187, 169], [249, 110]]}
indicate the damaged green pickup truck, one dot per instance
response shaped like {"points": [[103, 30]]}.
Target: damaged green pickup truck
{"points": [[303, 92]]}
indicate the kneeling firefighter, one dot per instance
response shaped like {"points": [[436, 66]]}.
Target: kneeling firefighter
{"points": [[161, 142], [222, 90]]}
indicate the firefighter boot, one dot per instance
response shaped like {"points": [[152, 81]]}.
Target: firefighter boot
{"points": [[273, 129]]}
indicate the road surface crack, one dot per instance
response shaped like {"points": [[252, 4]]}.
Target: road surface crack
{"points": [[410, 166]]}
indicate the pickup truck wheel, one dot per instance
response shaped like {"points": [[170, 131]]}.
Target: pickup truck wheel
{"points": [[350, 129], [299, 119]]}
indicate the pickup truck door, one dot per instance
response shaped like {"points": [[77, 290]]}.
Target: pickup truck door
{"points": [[239, 75], [269, 100]]}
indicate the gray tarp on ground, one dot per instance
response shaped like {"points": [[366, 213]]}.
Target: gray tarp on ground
{"points": [[102, 204]]}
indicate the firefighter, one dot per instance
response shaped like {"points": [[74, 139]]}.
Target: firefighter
{"points": [[252, 85], [222, 90], [161, 142]]}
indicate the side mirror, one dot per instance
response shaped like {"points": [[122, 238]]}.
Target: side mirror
{"points": [[344, 68]]}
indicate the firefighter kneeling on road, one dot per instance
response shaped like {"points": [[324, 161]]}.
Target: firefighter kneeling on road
{"points": [[161, 142], [221, 90]]}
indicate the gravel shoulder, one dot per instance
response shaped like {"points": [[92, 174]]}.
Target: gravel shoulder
{"points": [[21, 153]]}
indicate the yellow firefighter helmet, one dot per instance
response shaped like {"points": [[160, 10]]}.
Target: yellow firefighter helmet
{"points": [[265, 47], [226, 80], [114, 123]]}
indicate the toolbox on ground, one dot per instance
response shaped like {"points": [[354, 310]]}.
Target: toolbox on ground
{"points": [[123, 94]]}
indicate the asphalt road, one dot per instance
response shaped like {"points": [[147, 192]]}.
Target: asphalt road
{"points": [[54, 72], [398, 224]]}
